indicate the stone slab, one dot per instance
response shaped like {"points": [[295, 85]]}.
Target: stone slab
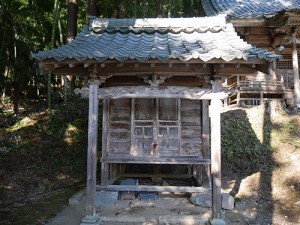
{"points": [[184, 220], [91, 220], [217, 222], [106, 199]]}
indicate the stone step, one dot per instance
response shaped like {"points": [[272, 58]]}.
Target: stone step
{"points": [[167, 219]]}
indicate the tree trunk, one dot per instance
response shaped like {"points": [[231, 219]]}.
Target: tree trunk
{"points": [[119, 6], [69, 81], [159, 13], [72, 20], [51, 46], [170, 8], [16, 97], [91, 10], [201, 10]]}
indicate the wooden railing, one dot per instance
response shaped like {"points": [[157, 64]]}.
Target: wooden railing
{"points": [[256, 91], [260, 85]]}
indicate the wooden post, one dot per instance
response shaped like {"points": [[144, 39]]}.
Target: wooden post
{"points": [[272, 73], [296, 72], [215, 121], [92, 149], [206, 175], [261, 97]]}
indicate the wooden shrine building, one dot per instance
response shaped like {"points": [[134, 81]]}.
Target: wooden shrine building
{"points": [[271, 25], [160, 84]]}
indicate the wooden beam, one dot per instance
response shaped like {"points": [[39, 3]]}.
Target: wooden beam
{"points": [[183, 189], [156, 160], [147, 175], [154, 68], [57, 65], [92, 149], [77, 71], [45, 68], [122, 92], [215, 123], [72, 65]]}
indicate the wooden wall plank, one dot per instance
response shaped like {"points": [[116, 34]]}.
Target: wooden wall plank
{"points": [[119, 126], [190, 127]]}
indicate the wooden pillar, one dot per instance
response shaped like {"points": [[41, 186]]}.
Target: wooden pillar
{"points": [[206, 175], [261, 97], [215, 121], [271, 71], [296, 72], [92, 149]]}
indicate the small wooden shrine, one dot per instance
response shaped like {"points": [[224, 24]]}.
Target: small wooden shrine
{"points": [[159, 82]]}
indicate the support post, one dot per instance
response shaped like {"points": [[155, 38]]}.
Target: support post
{"points": [[272, 73], [261, 97], [206, 175], [91, 216], [238, 97], [215, 120], [296, 73]]}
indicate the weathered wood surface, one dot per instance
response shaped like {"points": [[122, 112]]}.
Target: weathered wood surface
{"points": [[215, 121], [119, 137], [161, 175], [183, 189], [92, 149], [135, 124], [206, 172], [105, 142], [117, 158], [261, 85], [111, 67], [191, 127], [176, 92]]}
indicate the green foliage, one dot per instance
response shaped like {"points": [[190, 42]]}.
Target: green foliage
{"points": [[241, 148], [292, 127]]}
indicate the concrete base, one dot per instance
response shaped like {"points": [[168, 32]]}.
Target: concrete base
{"points": [[190, 220], [217, 222], [91, 220]]}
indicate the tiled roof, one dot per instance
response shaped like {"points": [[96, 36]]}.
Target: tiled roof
{"points": [[143, 39], [248, 8]]}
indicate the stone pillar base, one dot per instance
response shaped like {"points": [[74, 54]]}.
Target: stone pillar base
{"points": [[217, 222], [90, 220]]}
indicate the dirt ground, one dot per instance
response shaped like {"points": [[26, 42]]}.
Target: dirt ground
{"points": [[170, 208], [268, 191], [262, 174]]}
